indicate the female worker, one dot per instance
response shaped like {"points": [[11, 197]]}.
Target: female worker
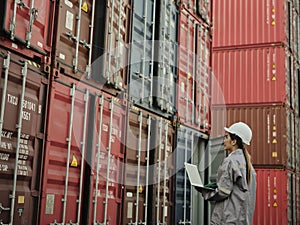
{"points": [[236, 180]]}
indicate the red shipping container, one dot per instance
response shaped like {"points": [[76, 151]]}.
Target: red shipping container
{"points": [[91, 42], [148, 182], [252, 22], [193, 91], [83, 157], [276, 197], [26, 27], [273, 128], [253, 76], [23, 88]]}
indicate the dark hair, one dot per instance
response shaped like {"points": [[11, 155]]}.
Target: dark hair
{"points": [[247, 156]]}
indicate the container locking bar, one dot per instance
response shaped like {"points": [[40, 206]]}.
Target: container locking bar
{"points": [[89, 46], [98, 160], [33, 13], [69, 141], [6, 63], [19, 129], [12, 25], [78, 21]]}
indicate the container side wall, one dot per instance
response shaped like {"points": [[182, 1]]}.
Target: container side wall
{"points": [[272, 128], [258, 75]]}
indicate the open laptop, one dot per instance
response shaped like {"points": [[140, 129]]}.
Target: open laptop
{"points": [[194, 176]]}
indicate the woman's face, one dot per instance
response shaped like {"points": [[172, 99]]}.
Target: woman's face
{"points": [[228, 143]]}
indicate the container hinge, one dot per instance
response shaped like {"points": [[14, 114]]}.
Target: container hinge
{"points": [[3, 208]]}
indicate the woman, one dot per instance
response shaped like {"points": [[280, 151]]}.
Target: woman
{"points": [[236, 180]]}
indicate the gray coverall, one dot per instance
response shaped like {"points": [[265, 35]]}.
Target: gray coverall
{"points": [[234, 198]]}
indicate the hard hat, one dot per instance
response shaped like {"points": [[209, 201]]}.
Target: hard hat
{"points": [[242, 130]]}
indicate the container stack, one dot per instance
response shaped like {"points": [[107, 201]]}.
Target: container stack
{"points": [[193, 105], [256, 70], [102, 102]]}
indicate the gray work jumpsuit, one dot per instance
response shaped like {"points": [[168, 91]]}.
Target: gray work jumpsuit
{"points": [[234, 198]]}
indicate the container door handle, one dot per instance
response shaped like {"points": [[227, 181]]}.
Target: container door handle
{"points": [[33, 15]]}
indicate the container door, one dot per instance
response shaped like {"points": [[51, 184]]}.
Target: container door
{"points": [[23, 110], [163, 169], [74, 26], [142, 53], [65, 155], [166, 65], [107, 162], [139, 143], [27, 22], [187, 146]]}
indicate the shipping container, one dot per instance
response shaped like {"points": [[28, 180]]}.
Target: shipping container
{"points": [[83, 169], [253, 22], [194, 73], [23, 111], [254, 76], [275, 197], [91, 42], [26, 27], [149, 167], [188, 146], [273, 132], [199, 8], [152, 82]]}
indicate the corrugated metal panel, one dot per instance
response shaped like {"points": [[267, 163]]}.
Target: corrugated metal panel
{"points": [[254, 76], [193, 91], [275, 197], [152, 71], [273, 132], [252, 22], [187, 145], [84, 156], [23, 110], [148, 187], [28, 26]]}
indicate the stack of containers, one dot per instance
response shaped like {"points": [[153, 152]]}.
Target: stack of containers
{"points": [[93, 128], [193, 106], [256, 67], [85, 139], [25, 50], [150, 128]]}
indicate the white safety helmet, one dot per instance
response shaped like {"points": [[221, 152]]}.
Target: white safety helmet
{"points": [[242, 130]]}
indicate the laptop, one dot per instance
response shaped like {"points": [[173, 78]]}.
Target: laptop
{"points": [[194, 177]]}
